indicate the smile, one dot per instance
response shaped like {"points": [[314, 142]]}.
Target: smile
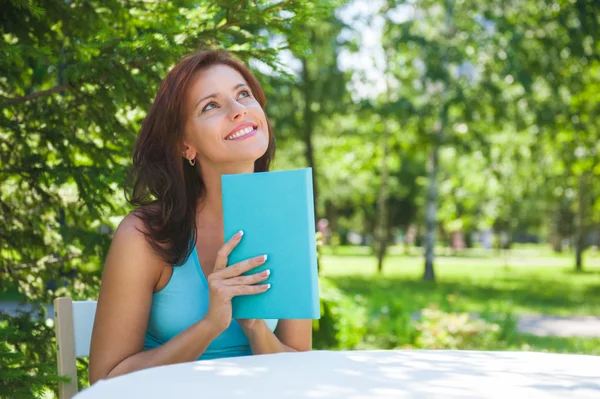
{"points": [[242, 133]]}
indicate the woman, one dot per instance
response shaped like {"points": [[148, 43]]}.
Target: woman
{"points": [[166, 294]]}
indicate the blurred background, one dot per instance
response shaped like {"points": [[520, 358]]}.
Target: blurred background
{"points": [[455, 147]]}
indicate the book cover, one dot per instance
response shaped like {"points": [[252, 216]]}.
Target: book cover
{"points": [[276, 212]]}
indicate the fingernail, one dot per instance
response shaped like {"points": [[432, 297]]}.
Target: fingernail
{"points": [[267, 272], [268, 286], [240, 233], [265, 258]]}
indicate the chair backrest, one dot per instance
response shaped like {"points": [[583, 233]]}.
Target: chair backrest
{"points": [[74, 321]]}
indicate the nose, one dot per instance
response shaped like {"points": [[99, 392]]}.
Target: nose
{"points": [[237, 110]]}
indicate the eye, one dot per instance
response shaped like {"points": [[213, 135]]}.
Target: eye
{"points": [[245, 93], [207, 106]]}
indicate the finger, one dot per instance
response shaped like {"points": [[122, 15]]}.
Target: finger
{"points": [[241, 267], [247, 280], [223, 253], [250, 289]]}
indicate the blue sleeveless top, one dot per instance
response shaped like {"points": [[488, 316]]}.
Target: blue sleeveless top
{"points": [[183, 302]]}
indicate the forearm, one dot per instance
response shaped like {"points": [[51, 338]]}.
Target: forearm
{"points": [[187, 346], [263, 340]]}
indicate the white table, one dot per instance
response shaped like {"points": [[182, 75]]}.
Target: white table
{"points": [[364, 374]]}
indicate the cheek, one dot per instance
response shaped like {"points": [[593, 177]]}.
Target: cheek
{"points": [[259, 114], [204, 133], [255, 107], [208, 127]]}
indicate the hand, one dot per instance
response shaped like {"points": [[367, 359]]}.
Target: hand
{"points": [[224, 283]]}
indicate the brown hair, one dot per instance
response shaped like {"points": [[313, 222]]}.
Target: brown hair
{"points": [[164, 187]]}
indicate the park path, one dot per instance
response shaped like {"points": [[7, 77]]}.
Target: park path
{"points": [[540, 325], [568, 326]]}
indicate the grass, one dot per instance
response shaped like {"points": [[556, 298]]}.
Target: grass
{"points": [[572, 345], [529, 279]]}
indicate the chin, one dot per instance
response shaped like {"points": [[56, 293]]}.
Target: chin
{"points": [[258, 154], [258, 149], [248, 150]]}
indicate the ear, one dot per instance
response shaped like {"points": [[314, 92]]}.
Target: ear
{"points": [[187, 150]]}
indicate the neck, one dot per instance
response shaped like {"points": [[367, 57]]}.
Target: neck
{"points": [[210, 210]]}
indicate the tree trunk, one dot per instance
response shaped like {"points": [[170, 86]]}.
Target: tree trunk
{"points": [[580, 232], [331, 215], [556, 242], [382, 226], [433, 163], [406, 244], [369, 226], [431, 211], [308, 130]]}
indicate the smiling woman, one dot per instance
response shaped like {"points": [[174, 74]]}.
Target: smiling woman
{"points": [[166, 292]]}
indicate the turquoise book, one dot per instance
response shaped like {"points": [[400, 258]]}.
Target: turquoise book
{"points": [[276, 212]]}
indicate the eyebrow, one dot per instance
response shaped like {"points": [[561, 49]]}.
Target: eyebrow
{"points": [[214, 95]]}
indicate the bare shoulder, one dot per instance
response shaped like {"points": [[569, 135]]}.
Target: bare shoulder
{"points": [[131, 249], [131, 227]]}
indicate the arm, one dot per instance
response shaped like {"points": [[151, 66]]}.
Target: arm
{"points": [[131, 272], [289, 336]]}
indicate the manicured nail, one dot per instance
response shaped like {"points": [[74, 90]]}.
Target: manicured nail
{"points": [[268, 286], [265, 258], [267, 272], [240, 233]]}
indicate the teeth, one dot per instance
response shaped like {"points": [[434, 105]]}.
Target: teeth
{"points": [[240, 133]]}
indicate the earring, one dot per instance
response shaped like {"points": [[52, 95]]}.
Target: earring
{"points": [[192, 161]]}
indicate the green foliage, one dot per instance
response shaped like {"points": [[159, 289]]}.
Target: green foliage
{"points": [[512, 87], [28, 365], [390, 323], [441, 330], [78, 78], [343, 320]]}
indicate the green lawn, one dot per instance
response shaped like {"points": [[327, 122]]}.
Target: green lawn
{"points": [[530, 279]]}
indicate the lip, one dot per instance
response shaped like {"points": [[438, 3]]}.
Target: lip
{"points": [[240, 127], [245, 136]]}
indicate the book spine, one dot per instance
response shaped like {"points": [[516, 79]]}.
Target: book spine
{"points": [[314, 272]]}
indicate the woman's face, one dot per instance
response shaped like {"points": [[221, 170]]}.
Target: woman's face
{"points": [[226, 125]]}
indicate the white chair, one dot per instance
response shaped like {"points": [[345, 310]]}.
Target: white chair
{"points": [[74, 321]]}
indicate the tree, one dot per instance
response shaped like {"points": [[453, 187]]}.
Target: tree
{"points": [[477, 71], [316, 91], [435, 47], [553, 53]]}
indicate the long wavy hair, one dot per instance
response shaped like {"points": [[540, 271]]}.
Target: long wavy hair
{"points": [[163, 186]]}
